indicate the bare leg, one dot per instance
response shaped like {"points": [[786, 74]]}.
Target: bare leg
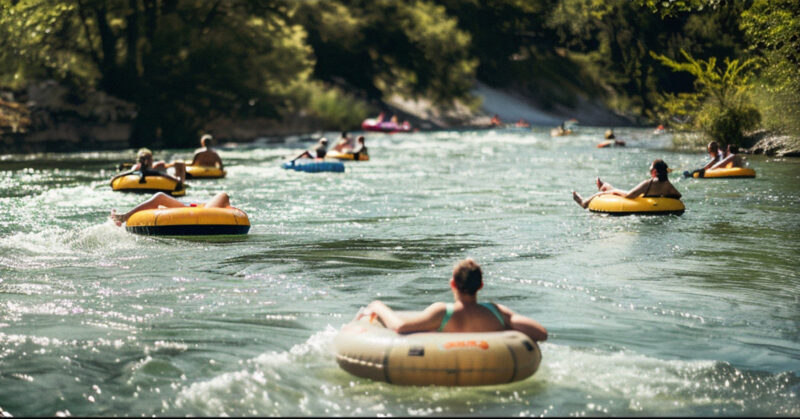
{"points": [[180, 170], [579, 199], [604, 186], [303, 154], [220, 200], [585, 202], [159, 199]]}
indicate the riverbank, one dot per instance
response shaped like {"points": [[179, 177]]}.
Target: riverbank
{"points": [[772, 144], [47, 118]]}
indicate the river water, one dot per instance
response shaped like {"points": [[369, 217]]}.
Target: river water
{"points": [[696, 314]]}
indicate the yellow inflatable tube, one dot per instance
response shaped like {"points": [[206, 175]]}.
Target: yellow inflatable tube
{"points": [[619, 205], [728, 172], [191, 221], [347, 156], [152, 184], [204, 172], [367, 349]]}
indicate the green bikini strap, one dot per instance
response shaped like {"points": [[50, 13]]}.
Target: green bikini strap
{"points": [[448, 313], [493, 308]]}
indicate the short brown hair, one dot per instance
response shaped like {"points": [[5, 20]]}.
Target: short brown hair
{"points": [[468, 276]]}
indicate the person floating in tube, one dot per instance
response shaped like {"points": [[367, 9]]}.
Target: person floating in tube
{"points": [[145, 166], [344, 144], [360, 148], [611, 139], [318, 152], [715, 156], [465, 315], [732, 159], [658, 186], [160, 199], [205, 156]]}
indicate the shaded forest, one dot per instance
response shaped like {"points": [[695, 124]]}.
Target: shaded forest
{"points": [[720, 67]]}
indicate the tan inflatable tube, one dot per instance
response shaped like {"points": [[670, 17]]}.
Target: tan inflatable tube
{"points": [[370, 350]]}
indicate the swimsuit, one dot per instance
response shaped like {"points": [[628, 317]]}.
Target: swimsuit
{"points": [[657, 196], [489, 306]]}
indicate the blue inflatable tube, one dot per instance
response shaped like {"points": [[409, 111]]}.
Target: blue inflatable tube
{"points": [[313, 166]]}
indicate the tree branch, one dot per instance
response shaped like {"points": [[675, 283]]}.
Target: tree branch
{"points": [[84, 18]]}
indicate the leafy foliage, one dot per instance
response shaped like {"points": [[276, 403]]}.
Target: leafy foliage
{"points": [[386, 47], [721, 103], [773, 31], [184, 63]]}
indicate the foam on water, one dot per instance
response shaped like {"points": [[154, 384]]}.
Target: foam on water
{"points": [[612, 382], [691, 315]]}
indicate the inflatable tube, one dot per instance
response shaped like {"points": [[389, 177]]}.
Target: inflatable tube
{"points": [[314, 166], [347, 156], [745, 172], [611, 143], [370, 124], [370, 350], [619, 205], [204, 172], [189, 221], [132, 183]]}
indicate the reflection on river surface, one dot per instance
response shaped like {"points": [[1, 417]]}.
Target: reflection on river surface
{"points": [[689, 315]]}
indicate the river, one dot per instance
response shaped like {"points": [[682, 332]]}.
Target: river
{"points": [[694, 315]]}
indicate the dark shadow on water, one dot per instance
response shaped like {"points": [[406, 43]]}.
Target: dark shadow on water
{"points": [[204, 239], [364, 253]]}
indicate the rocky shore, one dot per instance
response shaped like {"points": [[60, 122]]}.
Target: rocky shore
{"points": [[772, 144]]}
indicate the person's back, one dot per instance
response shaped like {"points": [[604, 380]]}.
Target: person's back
{"points": [[463, 315], [474, 318], [321, 149], [659, 188], [205, 156]]}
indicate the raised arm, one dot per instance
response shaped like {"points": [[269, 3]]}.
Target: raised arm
{"points": [[428, 320], [723, 162], [523, 324], [194, 158], [638, 189], [710, 163]]}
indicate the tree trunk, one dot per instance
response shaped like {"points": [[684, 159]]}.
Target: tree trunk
{"points": [[111, 81]]}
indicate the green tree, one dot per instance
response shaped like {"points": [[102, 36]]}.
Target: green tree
{"points": [[182, 62], [612, 39], [721, 105], [773, 31], [384, 47]]}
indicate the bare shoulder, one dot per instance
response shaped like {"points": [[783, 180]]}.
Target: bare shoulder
{"points": [[436, 307], [505, 310]]}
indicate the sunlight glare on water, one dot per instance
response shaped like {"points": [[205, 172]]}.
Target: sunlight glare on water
{"points": [[674, 315]]}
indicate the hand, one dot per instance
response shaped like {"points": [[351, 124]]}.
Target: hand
{"points": [[364, 312], [371, 310]]}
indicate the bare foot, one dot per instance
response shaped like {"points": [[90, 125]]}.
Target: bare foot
{"points": [[578, 199], [116, 218], [599, 184]]}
